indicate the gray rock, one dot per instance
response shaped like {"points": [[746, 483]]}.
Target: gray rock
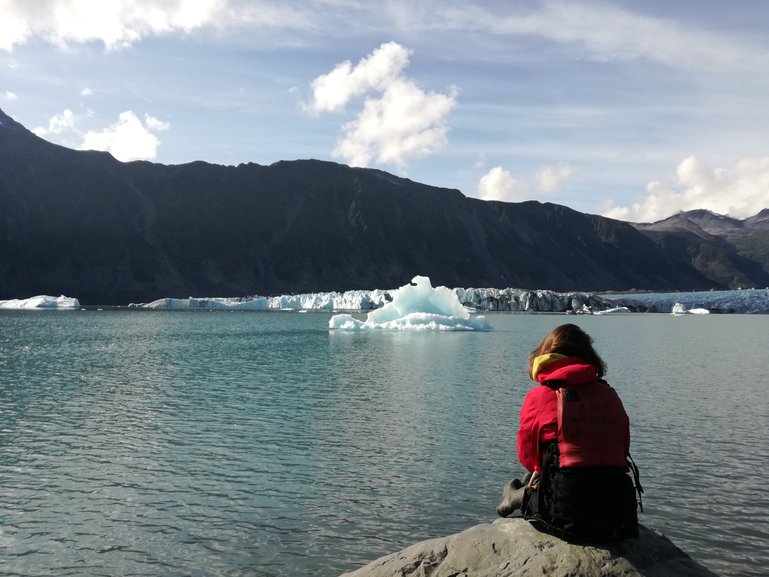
{"points": [[513, 548]]}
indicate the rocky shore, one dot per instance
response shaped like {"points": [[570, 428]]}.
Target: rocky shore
{"points": [[513, 548]]}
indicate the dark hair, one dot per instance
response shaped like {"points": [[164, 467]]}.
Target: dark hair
{"points": [[571, 341]]}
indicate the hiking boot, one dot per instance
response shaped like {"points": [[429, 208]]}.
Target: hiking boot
{"points": [[512, 497]]}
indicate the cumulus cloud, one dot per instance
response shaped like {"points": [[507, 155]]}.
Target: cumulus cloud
{"points": [[740, 191], [128, 139], [499, 184], [549, 178], [8, 95], [61, 122], [398, 121], [375, 72], [405, 122], [117, 23]]}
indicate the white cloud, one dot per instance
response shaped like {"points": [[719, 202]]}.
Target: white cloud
{"points": [[375, 72], [14, 26], [127, 139], [64, 121], [499, 184], [549, 178], [86, 92], [405, 122], [740, 191], [8, 95], [155, 125], [117, 23], [398, 121]]}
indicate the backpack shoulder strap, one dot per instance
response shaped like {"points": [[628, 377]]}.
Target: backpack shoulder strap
{"points": [[636, 480]]}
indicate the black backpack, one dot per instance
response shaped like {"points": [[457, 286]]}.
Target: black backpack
{"points": [[584, 504]]}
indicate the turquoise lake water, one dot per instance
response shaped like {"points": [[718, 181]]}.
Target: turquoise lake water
{"points": [[243, 443]]}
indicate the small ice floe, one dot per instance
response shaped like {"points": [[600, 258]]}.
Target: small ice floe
{"points": [[679, 309], [613, 311], [42, 302], [698, 311], [416, 307]]}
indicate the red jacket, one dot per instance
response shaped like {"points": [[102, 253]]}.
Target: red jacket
{"points": [[539, 413]]}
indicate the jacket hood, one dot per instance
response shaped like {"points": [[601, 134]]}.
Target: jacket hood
{"points": [[571, 370]]}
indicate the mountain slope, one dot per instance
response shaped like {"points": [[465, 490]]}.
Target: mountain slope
{"points": [[731, 252], [84, 224]]}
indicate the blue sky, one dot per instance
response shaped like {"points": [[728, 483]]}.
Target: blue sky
{"points": [[630, 109]]}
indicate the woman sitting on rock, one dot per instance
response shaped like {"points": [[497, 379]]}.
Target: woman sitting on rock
{"points": [[574, 441]]}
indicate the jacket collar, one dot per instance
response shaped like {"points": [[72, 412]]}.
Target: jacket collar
{"points": [[555, 367]]}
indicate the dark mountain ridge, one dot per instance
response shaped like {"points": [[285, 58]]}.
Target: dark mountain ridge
{"points": [[732, 252], [84, 224]]}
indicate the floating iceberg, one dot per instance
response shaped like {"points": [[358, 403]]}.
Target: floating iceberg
{"points": [[698, 311], [416, 307], [679, 309], [41, 302]]}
